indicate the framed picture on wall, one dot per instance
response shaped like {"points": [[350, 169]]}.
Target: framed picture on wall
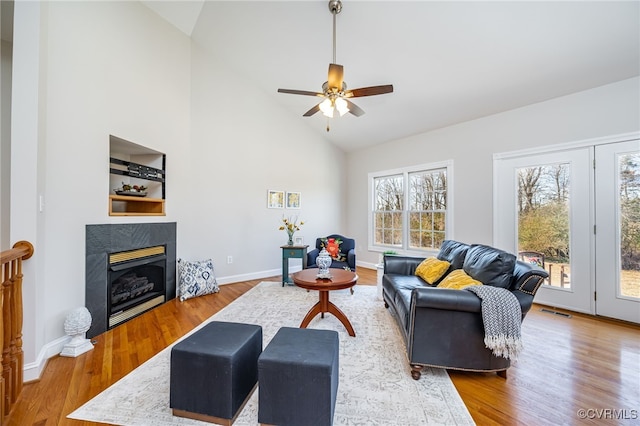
{"points": [[275, 199], [293, 200]]}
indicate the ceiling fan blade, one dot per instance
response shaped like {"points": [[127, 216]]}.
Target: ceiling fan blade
{"points": [[369, 91], [299, 92], [354, 109], [312, 111], [336, 74]]}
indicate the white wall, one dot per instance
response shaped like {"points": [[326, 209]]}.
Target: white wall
{"points": [[91, 69], [5, 140], [104, 68], [608, 110], [242, 146], [26, 131]]}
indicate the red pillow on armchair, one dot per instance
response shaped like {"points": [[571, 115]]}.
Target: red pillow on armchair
{"points": [[332, 245]]}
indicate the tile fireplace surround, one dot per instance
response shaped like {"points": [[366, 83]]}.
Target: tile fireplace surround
{"points": [[102, 240]]}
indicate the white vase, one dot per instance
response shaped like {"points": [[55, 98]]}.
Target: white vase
{"points": [[323, 261]]}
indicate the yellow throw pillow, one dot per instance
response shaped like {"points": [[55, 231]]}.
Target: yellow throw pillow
{"points": [[432, 269], [458, 280]]}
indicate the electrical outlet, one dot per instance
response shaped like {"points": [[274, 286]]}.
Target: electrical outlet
{"points": [[229, 259]]}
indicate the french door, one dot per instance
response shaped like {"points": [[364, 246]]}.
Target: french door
{"points": [[542, 213], [575, 212], [617, 178]]}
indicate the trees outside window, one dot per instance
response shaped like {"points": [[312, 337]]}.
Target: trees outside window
{"points": [[543, 218], [388, 210], [409, 208], [629, 189], [543, 210], [427, 209]]}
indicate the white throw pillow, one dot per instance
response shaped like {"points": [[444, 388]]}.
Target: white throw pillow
{"points": [[196, 278]]}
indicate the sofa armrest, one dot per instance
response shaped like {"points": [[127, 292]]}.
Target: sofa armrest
{"points": [[401, 265], [528, 278], [351, 258], [445, 299]]}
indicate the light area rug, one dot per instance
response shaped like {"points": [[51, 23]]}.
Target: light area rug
{"points": [[375, 384]]}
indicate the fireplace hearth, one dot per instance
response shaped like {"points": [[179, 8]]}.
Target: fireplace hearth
{"points": [[130, 268]]}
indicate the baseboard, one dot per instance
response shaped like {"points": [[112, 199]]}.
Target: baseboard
{"points": [[33, 370], [274, 272], [367, 265], [253, 275]]}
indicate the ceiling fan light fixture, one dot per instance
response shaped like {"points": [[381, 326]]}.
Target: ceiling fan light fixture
{"points": [[342, 106], [327, 107]]}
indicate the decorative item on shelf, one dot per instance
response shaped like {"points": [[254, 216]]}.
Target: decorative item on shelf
{"points": [[132, 190], [323, 261], [76, 325], [291, 226]]}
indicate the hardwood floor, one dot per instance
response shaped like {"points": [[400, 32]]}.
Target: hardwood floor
{"points": [[568, 365]]}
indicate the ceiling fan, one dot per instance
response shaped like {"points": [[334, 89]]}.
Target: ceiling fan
{"points": [[334, 90]]}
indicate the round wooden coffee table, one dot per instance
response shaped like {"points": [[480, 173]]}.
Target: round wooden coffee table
{"points": [[341, 279]]}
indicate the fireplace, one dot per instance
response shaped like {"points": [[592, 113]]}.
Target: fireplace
{"points": [[130, 268], [136, 282]]}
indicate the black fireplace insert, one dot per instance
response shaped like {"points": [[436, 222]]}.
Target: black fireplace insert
{"points": [[137, 280]]}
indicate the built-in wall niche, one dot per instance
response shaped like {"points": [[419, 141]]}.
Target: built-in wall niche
{"points": [[135, 166]]}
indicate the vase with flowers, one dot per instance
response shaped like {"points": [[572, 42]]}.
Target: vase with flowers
{"points": [[290, 225]]}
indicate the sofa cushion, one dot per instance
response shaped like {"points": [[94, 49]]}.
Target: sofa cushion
{"points": [[458, 280], [489, 265], [432, 269], [453, 252]]}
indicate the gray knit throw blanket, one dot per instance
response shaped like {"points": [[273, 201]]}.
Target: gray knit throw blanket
{"points": [[502, 317]]}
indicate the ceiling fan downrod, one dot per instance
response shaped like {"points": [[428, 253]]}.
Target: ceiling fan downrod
{"points": [[335, 6]]}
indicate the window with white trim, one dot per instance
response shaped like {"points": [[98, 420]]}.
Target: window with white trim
{"points": [[410, 208]]}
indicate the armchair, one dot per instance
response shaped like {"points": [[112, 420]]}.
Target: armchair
{"points": [[347, 253]]}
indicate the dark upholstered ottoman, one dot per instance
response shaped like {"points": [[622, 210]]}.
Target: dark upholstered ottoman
{"points": [[214, 371], [298, 374]]}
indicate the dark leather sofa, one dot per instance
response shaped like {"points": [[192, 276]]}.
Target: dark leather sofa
{"points": [[443, 327]]}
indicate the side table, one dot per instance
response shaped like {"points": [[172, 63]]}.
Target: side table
{"points": [[292, 252]]}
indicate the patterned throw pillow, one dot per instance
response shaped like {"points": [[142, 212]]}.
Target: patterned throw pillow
{"points": [[458, 280], [432, 269], [332, 246], [196, 278]]}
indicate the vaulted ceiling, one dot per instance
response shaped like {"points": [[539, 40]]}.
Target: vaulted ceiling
{"points": [[449, 61]]}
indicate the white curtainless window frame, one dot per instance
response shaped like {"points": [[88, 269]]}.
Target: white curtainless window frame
{"points": [[410, 208]]}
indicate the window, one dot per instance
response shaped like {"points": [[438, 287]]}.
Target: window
{"points": [[409, 208]]}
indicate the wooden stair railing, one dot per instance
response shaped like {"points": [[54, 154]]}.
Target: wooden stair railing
{"points": [[11, 325]]}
